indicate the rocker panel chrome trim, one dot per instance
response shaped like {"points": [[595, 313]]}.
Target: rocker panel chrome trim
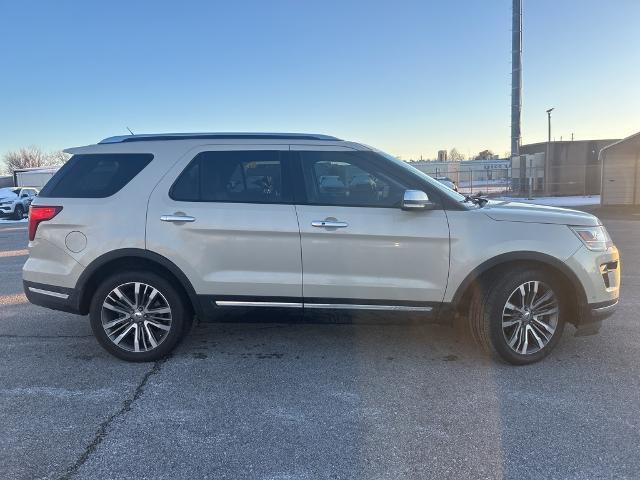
{"points": [[49, 292]]}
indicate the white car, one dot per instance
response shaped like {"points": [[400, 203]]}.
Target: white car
{"points": [[265, 222], [15, 201], [447, 182]]}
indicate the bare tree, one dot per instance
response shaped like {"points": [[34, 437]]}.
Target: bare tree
{"points": [[484, 155], [30, 157], [455, 155], [58, 157]]}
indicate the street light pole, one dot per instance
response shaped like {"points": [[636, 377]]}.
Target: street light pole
{"points": [[547, 158]]}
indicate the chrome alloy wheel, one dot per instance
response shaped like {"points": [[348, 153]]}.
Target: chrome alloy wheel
{"points": [[136, 317], [530, 317]]}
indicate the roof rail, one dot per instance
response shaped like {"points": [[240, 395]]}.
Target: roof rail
{"points": [[148, 137]]}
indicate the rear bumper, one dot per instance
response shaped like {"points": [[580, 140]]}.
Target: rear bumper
{"points": [[53, 297]]}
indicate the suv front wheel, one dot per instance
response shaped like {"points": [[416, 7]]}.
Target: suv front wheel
{"points": [[138, 316], [520, 317], [18, 212]]}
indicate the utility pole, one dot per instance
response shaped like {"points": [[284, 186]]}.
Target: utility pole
{"points": [[516, 77], [547, 158], [530, 178]]}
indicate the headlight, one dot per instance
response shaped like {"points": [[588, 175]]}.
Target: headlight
{"points": [[594, 238]]}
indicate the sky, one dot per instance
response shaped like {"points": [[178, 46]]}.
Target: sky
{"points": [[409, 77]]}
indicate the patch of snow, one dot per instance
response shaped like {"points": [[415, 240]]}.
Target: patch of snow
{"points": [[7, 221], [575, 201], [483, 183]]}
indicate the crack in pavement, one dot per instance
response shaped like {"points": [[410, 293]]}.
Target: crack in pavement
{"points": [[101, 433]]}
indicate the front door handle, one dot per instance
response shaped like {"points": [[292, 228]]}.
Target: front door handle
{"points": [[177, 218], [329, 224]]}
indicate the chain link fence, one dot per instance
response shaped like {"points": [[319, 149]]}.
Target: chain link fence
{"points": [[531, 182]]}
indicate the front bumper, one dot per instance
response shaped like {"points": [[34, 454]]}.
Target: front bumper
{"points": [[599, 275], [596, 312], [591, 316], [6, 209], [53, 297]]}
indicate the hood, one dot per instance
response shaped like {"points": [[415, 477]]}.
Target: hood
{"points": [[7, 194], [530, 213]]}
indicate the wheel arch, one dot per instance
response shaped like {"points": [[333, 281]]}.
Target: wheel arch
{"points": [[498, 263], [132, 258]]}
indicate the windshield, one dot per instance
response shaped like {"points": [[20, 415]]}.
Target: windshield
{"points": [[441, 188]]}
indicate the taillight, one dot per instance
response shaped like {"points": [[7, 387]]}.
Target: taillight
{"points": [[39, 214]]}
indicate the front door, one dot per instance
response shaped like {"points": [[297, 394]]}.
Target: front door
{"points": [[225, 217], [359, 249]]}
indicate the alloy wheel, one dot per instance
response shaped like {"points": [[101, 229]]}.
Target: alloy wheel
{"points": [[136, 317], [530, 317]]}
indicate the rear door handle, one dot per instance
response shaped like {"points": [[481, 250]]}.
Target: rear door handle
{"points": [[177, 218], [329, 224]]}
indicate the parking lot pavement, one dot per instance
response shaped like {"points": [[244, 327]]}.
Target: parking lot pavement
{"points": [[303, 401]]}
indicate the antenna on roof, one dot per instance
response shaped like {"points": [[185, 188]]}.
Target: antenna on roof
{"points": [[130, 131]]}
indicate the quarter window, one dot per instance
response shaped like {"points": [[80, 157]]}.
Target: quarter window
{"points": [[251, 176], [348, 179], [95, 175]]}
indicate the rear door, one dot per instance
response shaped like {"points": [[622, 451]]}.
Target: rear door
{"points": [[358, 247], [224, 215]]}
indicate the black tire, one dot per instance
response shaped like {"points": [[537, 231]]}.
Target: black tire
{"points": [[18, 212], [487, 306], [176, 302]]}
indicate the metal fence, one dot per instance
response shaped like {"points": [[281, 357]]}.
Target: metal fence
{"points": [[471, 181], [530, 182]]}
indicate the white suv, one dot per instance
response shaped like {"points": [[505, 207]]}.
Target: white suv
{"points": [[15, 201], [302, 222]]}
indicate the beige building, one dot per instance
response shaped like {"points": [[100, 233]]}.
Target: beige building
{"points": [[572, 168], [621, 172]]}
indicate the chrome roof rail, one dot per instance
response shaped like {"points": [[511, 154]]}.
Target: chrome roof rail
{"points": [[148, 137]]}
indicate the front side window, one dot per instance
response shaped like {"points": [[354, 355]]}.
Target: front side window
{"points": [[252, 176], [95, 175], [441, 189], [348, 179]]}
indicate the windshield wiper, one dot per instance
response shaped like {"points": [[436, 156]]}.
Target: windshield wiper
{"points": [[476, 199]]}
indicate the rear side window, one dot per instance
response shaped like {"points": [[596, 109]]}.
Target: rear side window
{"points": [[251, 176], [95, 175]]}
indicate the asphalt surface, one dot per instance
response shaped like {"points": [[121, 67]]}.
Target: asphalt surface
{"points": [[303, 401]]}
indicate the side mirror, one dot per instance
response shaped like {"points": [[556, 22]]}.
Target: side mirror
{"points": [[415, 200]]}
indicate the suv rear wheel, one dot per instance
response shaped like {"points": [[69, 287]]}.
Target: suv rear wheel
{"points": [[138, 316], [520, 317]]}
